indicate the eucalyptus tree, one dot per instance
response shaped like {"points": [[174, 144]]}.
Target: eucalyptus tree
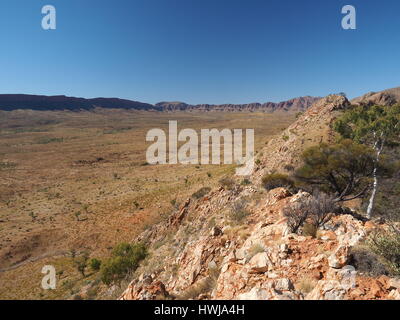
{"points": [[374, 126]]}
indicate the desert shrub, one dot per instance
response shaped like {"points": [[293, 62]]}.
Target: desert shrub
{"points": [[227, 183], [289, 167], [316, 210], [306, 285], [92, 293], [386, 244], [368, 262], [343, 169], [46, 140], [203, 286], [296, 215], [255, 248], [299, 114], [245, 182], [125, 259], [81, 263], [201, 192], [238, 211], [95, 264], [321, 207], [310, 229], [7, 165], [276, 180]]}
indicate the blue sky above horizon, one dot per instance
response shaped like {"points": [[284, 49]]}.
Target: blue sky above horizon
{"points": [[196, 51]]}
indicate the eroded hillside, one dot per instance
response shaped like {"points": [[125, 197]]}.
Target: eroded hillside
{"points": [[236, 243]]}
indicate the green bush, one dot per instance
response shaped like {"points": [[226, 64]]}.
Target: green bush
{"points": [[276, 180], [95, 264], [387, 245], [125, 259], [201, 192], [367, 262], [81, 263]]}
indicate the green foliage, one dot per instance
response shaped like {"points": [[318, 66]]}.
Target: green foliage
{"points": [[377, 127], [95, 264], [81, 263], [387, 245], [367, 262], [201, 192], [276, 180], [370, 125], [344, 168], [125, 259]]}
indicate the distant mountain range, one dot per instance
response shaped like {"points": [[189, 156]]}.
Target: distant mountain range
{"points": [[9, 102], [296, 104]]}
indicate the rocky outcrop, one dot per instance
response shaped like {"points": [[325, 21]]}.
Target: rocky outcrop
{"points": [[386, 98], [145, 288], [269, 263]]}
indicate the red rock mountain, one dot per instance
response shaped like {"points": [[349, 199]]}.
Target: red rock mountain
{"points": [[296, 104]]}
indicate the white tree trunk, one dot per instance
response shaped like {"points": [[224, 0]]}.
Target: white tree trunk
{"points": [[373, 195], [375, 176]]}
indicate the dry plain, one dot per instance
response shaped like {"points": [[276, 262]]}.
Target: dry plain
{"points": [[75, 182]]}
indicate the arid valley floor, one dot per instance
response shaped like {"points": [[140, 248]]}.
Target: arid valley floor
{"points": [[74, 182]]}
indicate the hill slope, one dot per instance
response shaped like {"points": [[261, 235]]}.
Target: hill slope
{"points": [[210, 249], [386, 97]]}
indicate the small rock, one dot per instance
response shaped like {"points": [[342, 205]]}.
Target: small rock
{"points": [[394, 283], [394, 294], [215, 232], [283, 284], [260, 263], [339, 258], [255, 294]]}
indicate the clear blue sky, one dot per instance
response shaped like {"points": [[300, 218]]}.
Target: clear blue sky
{"points": [[199, 51]]}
